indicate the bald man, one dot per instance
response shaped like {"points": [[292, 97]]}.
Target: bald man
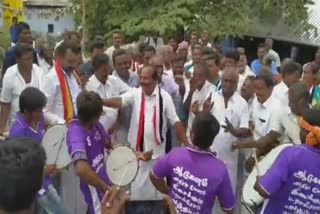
{"points": [[168, 84], [232, 112], [165, 82], [148, 135], [166, 52]]}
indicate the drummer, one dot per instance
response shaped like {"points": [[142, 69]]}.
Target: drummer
{"points": [[190, 172], [292, 184], [29, 122], [86, 139]]}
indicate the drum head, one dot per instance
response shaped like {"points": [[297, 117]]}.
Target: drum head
{"points": [[122, 165], [54, 143]]}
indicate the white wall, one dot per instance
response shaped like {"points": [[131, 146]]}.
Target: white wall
{"points": [[39, 18]]}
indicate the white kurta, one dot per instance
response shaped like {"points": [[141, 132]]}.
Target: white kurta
{"points": [[238, 114], [285, 122], [54, 113], [142, 188], [281, 92], [260, 115], [200, 96], [121, 135]]}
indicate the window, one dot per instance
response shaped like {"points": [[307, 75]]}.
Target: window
{"points": [[50, 28]]}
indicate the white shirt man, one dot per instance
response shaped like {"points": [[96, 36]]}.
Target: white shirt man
{"points": [[54, 114], [112, 88], [286, 123], [237, 113], [141, 188], [261, 115], [281, 91], [14, 84], [54, 111], [44, 65], [199, 96], [121, 135]]}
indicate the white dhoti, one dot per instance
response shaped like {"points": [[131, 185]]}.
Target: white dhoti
{"points": [[71, 193], [222, 146], [141, 188]]}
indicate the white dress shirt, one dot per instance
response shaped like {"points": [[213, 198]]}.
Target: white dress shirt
{"points": [[281, 91], [121, 135], [238, 114], [242, 77], [286, 123], [200, 96], [113, 87], [14, 84], [54, 111], [261, 114], [142, 188], [44, 65]]}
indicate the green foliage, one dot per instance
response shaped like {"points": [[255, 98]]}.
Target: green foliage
{"points": [[221, 17]]}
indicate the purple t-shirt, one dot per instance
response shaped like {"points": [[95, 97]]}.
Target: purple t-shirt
{"points": [[20, 128], [197, 178], [92, 144], [293, 182]]}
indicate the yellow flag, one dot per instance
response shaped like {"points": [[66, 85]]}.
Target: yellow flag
{"points": [[12, 8]]}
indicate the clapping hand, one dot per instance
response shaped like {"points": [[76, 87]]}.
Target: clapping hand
{"points": [[228, 127], [207, 105], [145, 156]]}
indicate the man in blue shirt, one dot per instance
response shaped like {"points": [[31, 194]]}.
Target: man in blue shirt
{"points": [[13, 30], [257, 63], [24, 36]]}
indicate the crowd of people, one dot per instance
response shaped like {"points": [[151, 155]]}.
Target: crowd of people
{"points": [[199, 120]]}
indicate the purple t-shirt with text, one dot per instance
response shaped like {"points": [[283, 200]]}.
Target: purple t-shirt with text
{"points": [[197, 178], [293, 182], [20, 128], [92, 144]]}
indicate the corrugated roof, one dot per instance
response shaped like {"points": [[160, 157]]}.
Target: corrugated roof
{"points": [[280, 31], [48, 3], [314, 19]]}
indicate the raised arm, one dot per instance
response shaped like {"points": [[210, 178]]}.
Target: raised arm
{"points": [[119, 102], [115, 102]]}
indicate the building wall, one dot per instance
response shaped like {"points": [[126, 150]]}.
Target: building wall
{"points": [[40, 17]]}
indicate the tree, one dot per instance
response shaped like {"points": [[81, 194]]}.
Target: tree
{"points": [[221, 17]]}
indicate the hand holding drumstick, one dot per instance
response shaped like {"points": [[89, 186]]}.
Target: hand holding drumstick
{"points": [[144, 156]]}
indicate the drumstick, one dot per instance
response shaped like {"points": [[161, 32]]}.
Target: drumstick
{"points": [[256, 165], [123, 176], [119, 167]]}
